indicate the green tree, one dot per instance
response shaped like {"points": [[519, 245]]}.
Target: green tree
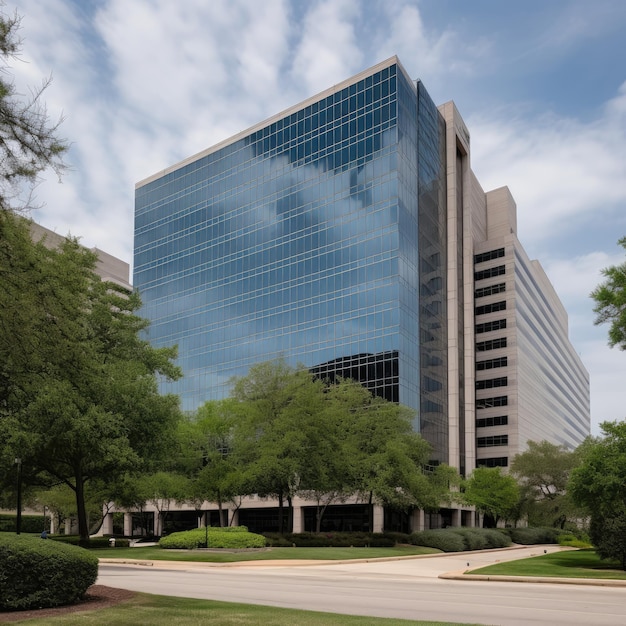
{"points": [[161, 489], [210, 456], [493, 493], [79, 397], [610, 298], [599, 485], [390, 460], [543, 471], [28, 140], [270, 440]]}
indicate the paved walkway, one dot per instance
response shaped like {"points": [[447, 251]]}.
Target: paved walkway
{"points": [[448, 566]]}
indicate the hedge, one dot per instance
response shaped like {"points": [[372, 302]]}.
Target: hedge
{"points": [[531, 536], [94, 542], [37, 573], [336, 540], [233, 537], [30, 523], [461, 539]]}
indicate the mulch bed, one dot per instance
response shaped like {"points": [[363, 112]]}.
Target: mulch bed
{"points": [[97, 597]]}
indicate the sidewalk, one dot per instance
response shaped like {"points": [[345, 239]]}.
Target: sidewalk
{"points": [[451, 566]]}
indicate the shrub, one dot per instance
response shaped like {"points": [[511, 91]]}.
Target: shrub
{"points": [[234, 537], [530, 536], [335, 540], [496, 538], [94, 542], [30, 523], [37, 573], [441, 539]]}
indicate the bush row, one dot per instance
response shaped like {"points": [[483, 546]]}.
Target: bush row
{"points": [[336, 540], [36, 574], [30, 523], [234, 538], [94, 542], [531, 536], [461, 539]]}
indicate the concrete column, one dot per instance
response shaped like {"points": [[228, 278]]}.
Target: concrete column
{"points": [[417, 520], [107, 524], [128, 525], [298, 519], [456, 518], [234, 521], [379, 518]]}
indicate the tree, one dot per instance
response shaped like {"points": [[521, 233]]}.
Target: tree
{"points": [[390, 459], [493, 493], [543, 471], [599, 485], [79, 397], [212, 463], [28, 140], [610, 297], [161, 489], [270, 440]]}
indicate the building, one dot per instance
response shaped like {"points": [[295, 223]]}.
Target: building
{"points": [[349, 234]]}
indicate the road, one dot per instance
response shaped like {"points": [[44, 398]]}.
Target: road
{"points": [[405, 588]]}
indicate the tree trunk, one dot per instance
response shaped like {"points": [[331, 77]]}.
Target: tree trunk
{"points": [[83, 526], [280, 513]]}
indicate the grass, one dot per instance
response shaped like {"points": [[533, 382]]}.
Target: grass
{"points": [[156, 610], [569, 564], [154, 553]]}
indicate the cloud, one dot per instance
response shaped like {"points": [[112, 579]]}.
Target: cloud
{"points": [[557, 168], [328, 51]]}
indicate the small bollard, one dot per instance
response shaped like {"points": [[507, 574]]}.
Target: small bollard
{"points": [[112, 542]]}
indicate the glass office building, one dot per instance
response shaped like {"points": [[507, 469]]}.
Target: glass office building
{"points": [[318, 236]]}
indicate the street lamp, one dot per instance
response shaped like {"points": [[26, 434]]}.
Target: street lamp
{"points": [[18, 522]]}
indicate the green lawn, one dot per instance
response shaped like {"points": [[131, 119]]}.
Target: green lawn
{"points": [[154, 553], [569, 564], [151, 610]]}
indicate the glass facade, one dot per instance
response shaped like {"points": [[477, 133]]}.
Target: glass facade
{"points": [[304, 239]]}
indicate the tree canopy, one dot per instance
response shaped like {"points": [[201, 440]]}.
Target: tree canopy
{"points": [[492, 493], [79, 396], [610, 298], [543, 471], [599, 485], [28, 139]]}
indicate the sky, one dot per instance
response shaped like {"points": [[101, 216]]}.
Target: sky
{"points": [[143, 84]]}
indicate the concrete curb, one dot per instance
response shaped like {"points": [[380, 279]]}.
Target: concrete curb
{"points": [[596, 582]]}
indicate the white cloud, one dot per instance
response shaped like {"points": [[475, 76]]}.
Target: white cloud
{"points": [[328, 51], [556, 168]]}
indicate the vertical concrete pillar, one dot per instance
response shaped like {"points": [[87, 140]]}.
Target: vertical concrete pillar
{"points": [[107, 524], [234, 521], [379, 518], [128, 525], [298, 519], [456, 518], [417, 520]]}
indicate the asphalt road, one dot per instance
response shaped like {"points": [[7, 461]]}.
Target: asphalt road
{"points": [[408, 588]]}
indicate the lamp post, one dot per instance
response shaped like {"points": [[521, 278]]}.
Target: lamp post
{"points": [[18, 522]]}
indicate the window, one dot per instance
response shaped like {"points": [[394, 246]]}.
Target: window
{"points": [[489, 326], [499, 270], [489, 291], [500, 461], [497, 420], [491, 344], [490, 308], [490, 383], [487, 403], [490, 364], [492, 441], [488, 256]]}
